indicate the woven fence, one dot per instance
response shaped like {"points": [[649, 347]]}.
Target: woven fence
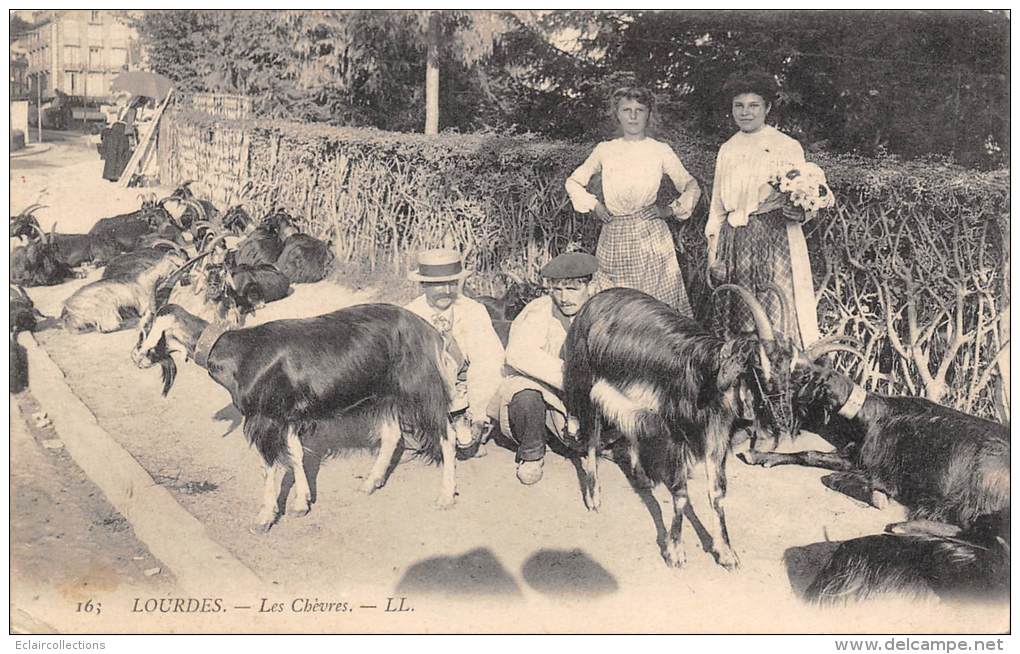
{"points": [[913, 261]]}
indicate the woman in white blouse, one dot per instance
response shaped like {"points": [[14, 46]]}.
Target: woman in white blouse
{"points": [[754, 234], [635, 248]]}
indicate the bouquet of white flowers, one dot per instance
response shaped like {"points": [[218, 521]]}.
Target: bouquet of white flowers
{"points": [[805, 186]]}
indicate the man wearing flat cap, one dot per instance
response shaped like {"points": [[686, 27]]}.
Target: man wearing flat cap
{"points": [[531, 404], [466, 323]]}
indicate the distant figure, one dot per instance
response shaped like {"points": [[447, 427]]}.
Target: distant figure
{"points": [[120, 141]]}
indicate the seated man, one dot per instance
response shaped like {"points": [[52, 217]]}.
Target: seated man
{"points": [[531, 406], [467, 323]]}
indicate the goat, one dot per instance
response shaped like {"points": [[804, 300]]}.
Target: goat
{"points": [[73, 249], [926, 559], [131, 264], [105, 304], [207, 291], [39, 263], [938, 462], [129, 229], [304, 259], [263, 245], [23, 316], [256, 285], [373, 365], [672, 389], [505, 308]]}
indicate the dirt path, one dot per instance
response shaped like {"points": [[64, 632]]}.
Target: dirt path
{"points": [[505, 558], [68, 544]]}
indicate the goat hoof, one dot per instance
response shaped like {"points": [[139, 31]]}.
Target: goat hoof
{"points": [[728, 559], [879, 500], [370, 486], [674, 557], [261, 528], [301, 510], [444, 503]]}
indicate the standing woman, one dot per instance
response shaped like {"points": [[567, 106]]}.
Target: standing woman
{"points": [[754, 233], [635, 248]]}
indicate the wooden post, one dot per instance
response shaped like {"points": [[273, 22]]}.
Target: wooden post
{"points": [[143, 145]]}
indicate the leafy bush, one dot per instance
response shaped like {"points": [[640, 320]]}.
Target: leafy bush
{"points": [[913, 260]]}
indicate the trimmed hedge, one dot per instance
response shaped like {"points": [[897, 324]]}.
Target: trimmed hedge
{"points": [[911, 251]]}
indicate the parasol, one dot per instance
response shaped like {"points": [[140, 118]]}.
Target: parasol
{"points": [[142, 82]]}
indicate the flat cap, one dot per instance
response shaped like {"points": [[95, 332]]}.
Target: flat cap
{"points": [[570, 265]]}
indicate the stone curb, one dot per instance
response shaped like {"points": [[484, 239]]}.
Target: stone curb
{"points": [[174, 536], [31, 150]]}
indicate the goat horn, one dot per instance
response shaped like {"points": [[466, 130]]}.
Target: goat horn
{"points": [[39, 230], [199, 209], [27, 211], [171, 279], [817, 348], [220, 238], [170, 244], [818, 353], [784, 308], [761, 318]]}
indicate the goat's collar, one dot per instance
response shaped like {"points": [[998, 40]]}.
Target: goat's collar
{"points": [[207, 340], [853, 404]]}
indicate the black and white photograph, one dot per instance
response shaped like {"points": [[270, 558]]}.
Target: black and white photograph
{"points": [[510, 321]]}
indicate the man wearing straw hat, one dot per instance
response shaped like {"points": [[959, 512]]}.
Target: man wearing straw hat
{"points": [[530, 398], [466, 323]]}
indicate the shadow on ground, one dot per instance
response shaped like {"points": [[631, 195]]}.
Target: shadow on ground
{"points": [[477, 572], [567, 572]]}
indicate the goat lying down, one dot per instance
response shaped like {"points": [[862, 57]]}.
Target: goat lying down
{"points": [[371, 364], [923, 560], [106, 304], [941, 464], [671, 388]]}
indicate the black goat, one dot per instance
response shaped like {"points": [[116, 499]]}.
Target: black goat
{"points": [[130, 229], [374, 365], [39, 263], [23, 317], [940, 463], [672, 389], [922, 560], [304, 259], [257, 285], [504, 309], [264, 244]]}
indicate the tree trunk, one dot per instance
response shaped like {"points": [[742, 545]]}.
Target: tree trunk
{"points": [[432, 77]]}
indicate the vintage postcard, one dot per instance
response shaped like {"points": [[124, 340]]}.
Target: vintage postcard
{"points": [[510, 322]]}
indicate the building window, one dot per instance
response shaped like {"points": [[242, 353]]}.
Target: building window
{"points": [[95, 58], [72, 56], [96, 17], [71, 82]]}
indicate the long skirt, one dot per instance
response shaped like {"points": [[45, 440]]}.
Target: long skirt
{"points": [[757, 254], [636, 252], [117, 150]]}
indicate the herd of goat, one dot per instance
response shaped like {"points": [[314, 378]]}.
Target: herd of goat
{"points": [[676, 395]]}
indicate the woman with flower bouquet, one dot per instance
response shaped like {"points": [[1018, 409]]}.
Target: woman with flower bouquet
{"points": [[763, 192]]}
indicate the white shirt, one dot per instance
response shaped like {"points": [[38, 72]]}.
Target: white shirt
{"points": [[471, 328], [631, 174], [742, 171]]}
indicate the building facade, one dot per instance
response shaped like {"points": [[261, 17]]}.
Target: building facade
{"points": [[77, 52]]}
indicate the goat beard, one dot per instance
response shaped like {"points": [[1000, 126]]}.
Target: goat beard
{"points": [[168, 369]]}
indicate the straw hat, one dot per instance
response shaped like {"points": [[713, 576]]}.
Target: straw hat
{"points": [[440, 265]]}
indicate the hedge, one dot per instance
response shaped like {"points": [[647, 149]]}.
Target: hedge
{"points": [[913, 260]]}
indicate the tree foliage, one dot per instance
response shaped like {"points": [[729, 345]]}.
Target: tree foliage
{"points": [[911, 83]]}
